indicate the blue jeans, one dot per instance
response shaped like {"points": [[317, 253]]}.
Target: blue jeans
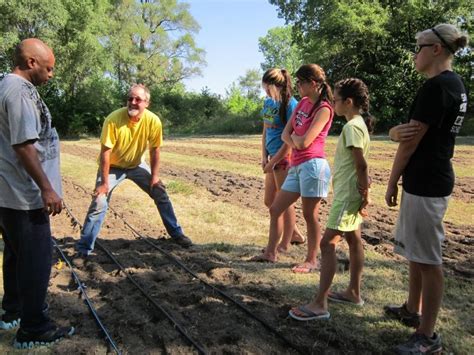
{"points": [[98, 208], [26, 266]]}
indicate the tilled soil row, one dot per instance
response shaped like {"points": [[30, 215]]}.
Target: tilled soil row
{"points": [[133, 323], [247, 192], [463, 189]]}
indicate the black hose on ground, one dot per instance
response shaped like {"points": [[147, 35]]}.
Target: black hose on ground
{"points": [[87, 300], [175, 323], [220, 292]]}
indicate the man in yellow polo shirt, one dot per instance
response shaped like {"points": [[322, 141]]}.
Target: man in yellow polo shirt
{"points": [[126, 134]]}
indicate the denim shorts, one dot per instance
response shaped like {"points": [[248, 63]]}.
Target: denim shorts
{"points": [[310, 178]]}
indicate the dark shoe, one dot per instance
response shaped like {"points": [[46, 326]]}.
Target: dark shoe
{"points": [[79, 260], [10, 321], [182, 240], [420, 344], [402, 314], [27, 340]]}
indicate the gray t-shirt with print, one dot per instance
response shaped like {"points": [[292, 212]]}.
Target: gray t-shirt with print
{"points": [[25, 117]]}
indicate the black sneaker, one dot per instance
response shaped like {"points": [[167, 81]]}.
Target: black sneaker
{"points": [[10, 321], [402, 314], [420, 344], [183, 241], [27, 340]]}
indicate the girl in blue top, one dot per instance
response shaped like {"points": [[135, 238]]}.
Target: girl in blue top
{"points": [[277, 110]]}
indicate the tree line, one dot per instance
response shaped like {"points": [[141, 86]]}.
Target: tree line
{"points": [[102, 46]]}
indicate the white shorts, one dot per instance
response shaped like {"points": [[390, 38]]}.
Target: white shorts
{"points": [[419, 230]]}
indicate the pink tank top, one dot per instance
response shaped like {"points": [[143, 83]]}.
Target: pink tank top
{"points": [[301, 123]]}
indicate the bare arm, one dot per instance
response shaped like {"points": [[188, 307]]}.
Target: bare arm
{"points": [[404, 152], [264, 160], [404, 132], [104, 168], [155, 166], [28, 156], [287, 132], [363, 180], [319, 121]]}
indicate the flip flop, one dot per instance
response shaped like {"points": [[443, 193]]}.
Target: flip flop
{"points": [[260, 259], [308, 314], [298, 242], [340, 298], [302, 269]]}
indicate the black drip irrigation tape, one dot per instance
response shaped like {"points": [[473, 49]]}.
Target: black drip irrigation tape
{"points": [[87, 300], [220, 292], [198, 347], [175, 323]]}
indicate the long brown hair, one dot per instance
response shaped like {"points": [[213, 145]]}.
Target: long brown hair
{"points": [[279, 83], [313, 72]]}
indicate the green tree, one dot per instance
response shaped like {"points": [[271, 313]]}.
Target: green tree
{"points": [[279, 50], [152, 42], [372, 40], [250, 84], [101, 47]]}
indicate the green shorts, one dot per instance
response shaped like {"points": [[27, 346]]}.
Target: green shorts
{"points": [[344, 216]]}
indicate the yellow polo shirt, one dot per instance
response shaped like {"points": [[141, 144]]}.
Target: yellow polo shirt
{"points": [[129, 140]]}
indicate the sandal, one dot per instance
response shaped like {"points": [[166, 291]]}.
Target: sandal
{"points": [[307, 314], [304, 268], [298, 242], [261, 259]]}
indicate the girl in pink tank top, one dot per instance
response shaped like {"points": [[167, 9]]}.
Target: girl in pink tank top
{"points": [[309, 174]]}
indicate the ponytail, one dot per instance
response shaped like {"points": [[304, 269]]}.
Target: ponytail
{"points": [[315, 73], [369, 121], [286, 93], [325, 95], [279, 81]]}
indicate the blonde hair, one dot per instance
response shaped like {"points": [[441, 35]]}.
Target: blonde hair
{"points": [[447, 35]]}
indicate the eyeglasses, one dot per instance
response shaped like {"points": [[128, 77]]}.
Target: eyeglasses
{"points": [[138, 100], [419, 47]]}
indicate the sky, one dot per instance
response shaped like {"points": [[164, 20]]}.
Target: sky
{"points": [[229, 34]]}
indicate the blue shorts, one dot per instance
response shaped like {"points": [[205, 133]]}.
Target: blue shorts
{"points": [[310, 178]]}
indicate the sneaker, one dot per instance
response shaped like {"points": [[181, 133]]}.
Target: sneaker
{"points": [[27, 340], [10, 321], [402, 314], [182, 240], [420, 344]]}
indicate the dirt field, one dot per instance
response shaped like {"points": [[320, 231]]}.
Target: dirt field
{"points": [[138, 328]]}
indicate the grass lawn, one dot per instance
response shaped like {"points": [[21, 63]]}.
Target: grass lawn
{"points": [[235, 232]]}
